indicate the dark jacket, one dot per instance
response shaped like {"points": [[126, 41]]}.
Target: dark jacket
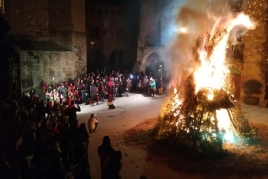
{"points": [[71, 112]]}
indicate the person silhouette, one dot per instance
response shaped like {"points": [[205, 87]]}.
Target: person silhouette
{"points": [[105, 150]]}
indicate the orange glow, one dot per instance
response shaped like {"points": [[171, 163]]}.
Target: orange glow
{"points": [[213, 72], [176, 103]]}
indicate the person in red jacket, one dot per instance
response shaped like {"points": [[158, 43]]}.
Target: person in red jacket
{"points": [[43, 86], [110, 90]]}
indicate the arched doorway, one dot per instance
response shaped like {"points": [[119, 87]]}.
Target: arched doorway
{"points": [[154, 65], [95, 60], [113, 58], [99, 60], [116, 59]]}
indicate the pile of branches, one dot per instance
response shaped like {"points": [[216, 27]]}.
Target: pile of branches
{"points": [[194, 121], [193, 124]]}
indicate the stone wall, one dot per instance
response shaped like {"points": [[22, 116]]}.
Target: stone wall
{"points": [[40, 66], [255, 46], [78, 11], [79, 38], [51, 21], [109, 19], [80, 51], [151, 13], [60, 23], [29, 18]]}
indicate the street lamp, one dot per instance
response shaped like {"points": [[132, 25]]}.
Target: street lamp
{"points": [[160, 70], [92, 43]]}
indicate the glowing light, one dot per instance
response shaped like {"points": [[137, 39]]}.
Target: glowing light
{"points": [[213, 72], [176, 103], [228, 137], [183, 30], [210, 96], [224, 124]]}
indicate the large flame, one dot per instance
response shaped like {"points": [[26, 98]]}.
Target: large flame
{"points": [[212, 73]]}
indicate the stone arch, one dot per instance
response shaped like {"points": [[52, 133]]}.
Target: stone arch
{"points": [[126, 59], [143, 61], [120, 57], [151, 64]]}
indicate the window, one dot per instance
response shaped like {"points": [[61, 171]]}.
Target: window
{"points": [[119, 34], [92, 11], [95, 32], [106, 12]]}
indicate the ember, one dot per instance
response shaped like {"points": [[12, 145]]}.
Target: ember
{"points": [[202, 108]]}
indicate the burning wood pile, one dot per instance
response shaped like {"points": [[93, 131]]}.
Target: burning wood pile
{"points": [[202, 109]]}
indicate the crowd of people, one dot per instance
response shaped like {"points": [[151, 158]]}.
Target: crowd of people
{"points": [[52, 134], [93, 88], [40, 134]]}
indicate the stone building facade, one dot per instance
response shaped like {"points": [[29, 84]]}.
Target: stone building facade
{"points": [[151, 47], [249, 63], [51, 39], [111, 36], [255, 52]]}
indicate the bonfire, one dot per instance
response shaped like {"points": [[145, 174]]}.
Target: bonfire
{"points": [[203, 109]]}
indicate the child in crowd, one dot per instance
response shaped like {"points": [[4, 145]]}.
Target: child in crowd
{"points": [[92, 123]]}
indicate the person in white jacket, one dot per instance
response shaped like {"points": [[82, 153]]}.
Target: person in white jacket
{"points": [[92, 123]]}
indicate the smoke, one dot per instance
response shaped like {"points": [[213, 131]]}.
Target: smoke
{"points": [[191, 19]]}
